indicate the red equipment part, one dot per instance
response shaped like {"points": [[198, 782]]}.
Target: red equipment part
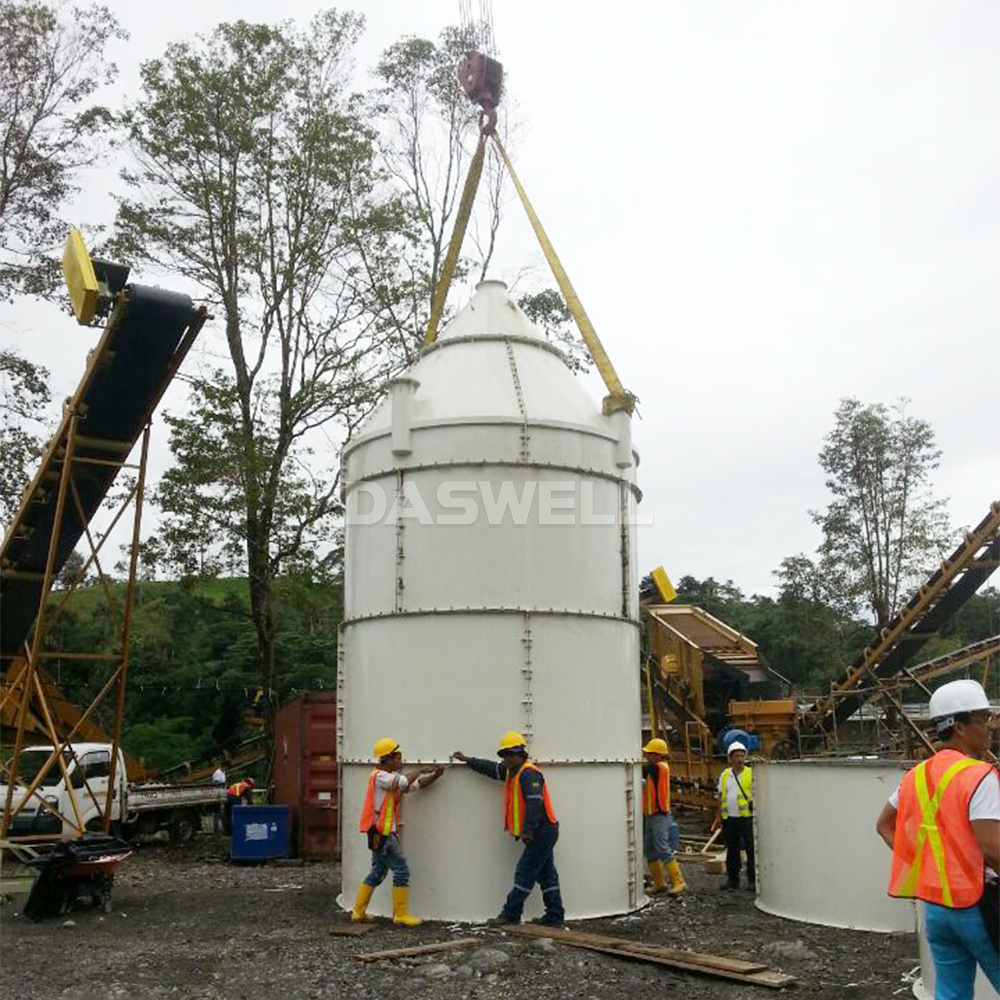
{"points": [[482, 79]]}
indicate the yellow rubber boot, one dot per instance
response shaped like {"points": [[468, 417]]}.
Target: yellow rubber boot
{"points": [[677, 884], [359, 915], [400, 907], [659, 878]]}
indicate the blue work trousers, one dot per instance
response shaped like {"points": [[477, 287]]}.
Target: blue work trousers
{"points": [[389, 855], [537, 864], [959, 941], [660, 837]]}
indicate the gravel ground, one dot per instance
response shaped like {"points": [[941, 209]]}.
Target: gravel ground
{"points": [[185, 924]]}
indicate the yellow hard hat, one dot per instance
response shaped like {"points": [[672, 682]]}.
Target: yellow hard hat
{"points": [[656, 746], [511, 741], [384, 747]]}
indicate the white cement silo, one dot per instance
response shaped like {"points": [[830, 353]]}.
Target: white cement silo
{"points": [[458, 629], [818, 856]]}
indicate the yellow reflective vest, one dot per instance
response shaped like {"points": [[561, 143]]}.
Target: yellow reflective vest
{"points": [[744, 791]]}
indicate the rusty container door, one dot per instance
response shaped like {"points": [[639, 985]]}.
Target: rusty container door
{"points": [[305, 773]]}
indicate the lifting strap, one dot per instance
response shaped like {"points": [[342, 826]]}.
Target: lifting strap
{"points": [[618, 397], [457, 237]]}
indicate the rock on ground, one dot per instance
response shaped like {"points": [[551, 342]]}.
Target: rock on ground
{"points": [[488, 959]]}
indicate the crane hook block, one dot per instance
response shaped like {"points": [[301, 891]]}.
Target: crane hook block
{"points": [[482, 79]]}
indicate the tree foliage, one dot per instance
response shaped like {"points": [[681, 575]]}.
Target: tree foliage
{"points": [[193, 673], [548, 310], [24, 394], [257, 179], [52, 62], [884, 528]]}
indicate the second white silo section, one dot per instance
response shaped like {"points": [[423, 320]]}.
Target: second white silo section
{"points": [[456, 632], [819, 858]]}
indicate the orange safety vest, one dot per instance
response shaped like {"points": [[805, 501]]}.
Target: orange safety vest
{"points": [[935, 855], [656, 793], [513, 807], [237, 789], [387, 815]]}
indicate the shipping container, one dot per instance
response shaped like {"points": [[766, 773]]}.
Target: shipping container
{"points": [[305, 776]]}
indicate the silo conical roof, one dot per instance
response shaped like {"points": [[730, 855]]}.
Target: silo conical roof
{"points": [[491, 312]]}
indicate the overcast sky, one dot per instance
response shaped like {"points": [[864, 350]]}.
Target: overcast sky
{"points": [[764, 206]]}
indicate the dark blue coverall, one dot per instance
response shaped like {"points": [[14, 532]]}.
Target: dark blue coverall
{"points": [[539, 835]]}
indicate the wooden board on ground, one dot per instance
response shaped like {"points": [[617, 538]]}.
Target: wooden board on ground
{"points": [[420, 949], [351, 930], [709, 965], [16, 885]]}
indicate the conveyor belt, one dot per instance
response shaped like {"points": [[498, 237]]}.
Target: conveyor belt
{"points": [[930, 608], [143, 343]]}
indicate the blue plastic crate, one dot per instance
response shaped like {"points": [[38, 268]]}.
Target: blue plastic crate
{"points": [[259, 833]]}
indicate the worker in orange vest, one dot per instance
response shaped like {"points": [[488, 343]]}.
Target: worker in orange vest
{"points": [[529, 817], [239, 791], [657, 823], [387, 784], [943, 825]]}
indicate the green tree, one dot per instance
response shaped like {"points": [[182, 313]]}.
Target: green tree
{"points": [[257, 179], [162, 742], [72, 574], [718, 599], [547, 309], [24, 394], [884, 529], [804, 637], [978, 618], [52, 61]]}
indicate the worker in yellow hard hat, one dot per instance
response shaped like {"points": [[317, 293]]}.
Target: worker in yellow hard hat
{"points": [[528, 816], [387, 784], [658, 826]]}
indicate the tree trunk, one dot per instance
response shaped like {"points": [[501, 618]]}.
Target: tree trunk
{"points": [[262, 613]]}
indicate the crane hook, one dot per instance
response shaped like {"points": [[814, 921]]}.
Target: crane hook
{"points": [[482, 80]]}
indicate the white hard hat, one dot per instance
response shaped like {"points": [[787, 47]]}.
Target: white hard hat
{"points": [[735, 745], [955, 697]]}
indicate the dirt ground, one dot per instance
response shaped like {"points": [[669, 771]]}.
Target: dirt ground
{"points": [[185, 924]]}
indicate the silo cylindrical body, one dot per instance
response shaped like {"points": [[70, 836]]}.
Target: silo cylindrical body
{"points": [[491, 585], [819, 858]]}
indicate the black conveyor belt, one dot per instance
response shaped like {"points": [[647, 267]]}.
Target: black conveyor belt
{"points": [[144, 341]]}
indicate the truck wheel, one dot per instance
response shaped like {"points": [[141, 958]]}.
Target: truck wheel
{"points": [[183, 825]]}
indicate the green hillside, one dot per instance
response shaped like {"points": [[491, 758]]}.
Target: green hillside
{"points": [[193, 672]]}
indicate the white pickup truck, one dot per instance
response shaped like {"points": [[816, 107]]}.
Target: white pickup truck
{"points": [[136, 809]]}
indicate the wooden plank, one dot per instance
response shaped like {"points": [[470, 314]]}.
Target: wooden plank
{"points": [[709, 961], [774, 980], [662, 951], [711, 840], [420, 949], [709, 965], [17, 885]]}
